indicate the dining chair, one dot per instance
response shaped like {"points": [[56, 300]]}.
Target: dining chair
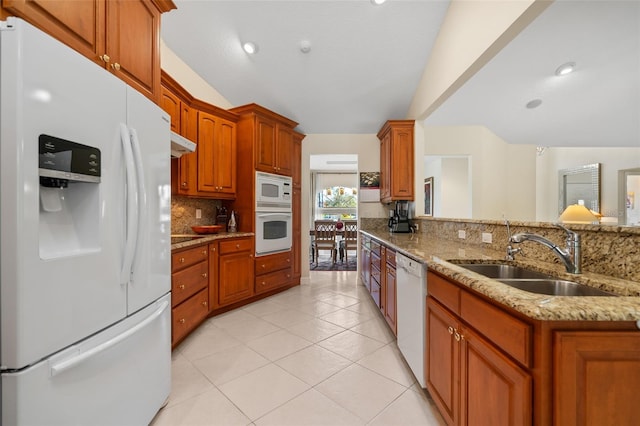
{"points": [[325, 238], [349, 239]]}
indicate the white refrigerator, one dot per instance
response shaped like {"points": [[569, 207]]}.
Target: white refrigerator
{"points": [[85, 240]]}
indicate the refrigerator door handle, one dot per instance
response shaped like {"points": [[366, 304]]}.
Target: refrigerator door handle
{"points": [[132, 206], [141, 189], [83, 356]]}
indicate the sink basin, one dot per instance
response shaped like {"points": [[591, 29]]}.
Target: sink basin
{"points": [[500, 271], [554, 287]]}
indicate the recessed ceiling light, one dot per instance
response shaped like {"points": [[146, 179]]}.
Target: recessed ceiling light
{"points": [[305, 46], [565, 69], [378, 2], [535, 103], [250, 47]]}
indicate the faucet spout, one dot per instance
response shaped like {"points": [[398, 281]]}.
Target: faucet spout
{"points": [[570, 257]]}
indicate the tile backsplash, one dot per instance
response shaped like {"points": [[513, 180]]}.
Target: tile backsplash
{"points": [[183, 213], [608, 250]]}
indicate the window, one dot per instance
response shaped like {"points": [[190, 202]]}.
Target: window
{"points": [[336, 196]]}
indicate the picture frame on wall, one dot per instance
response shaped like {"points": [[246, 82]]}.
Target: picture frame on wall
{"points": [[369, 187], [428, 196]]}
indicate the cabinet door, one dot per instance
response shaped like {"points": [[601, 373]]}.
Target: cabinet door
{"points": [[365, 264], [401, 164], [207, 124], [442, 361], [296, 246], [284, 159], [296, 166], [225, 156], [597, 377], [385, 167], [495, 391], [390, 298], [188, 163], [265, 145], [235, 277], [132, 35], [78, 24], [172, 105]]}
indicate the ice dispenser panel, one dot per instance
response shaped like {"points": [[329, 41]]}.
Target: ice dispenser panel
{"points": [[69, 197]]}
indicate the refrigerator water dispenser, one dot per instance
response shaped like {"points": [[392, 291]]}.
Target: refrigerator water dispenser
{"points": [[69, 197]]}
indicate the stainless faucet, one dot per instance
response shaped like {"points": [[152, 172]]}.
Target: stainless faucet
{"points": [[571, 256]]}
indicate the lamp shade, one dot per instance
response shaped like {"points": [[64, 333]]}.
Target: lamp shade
{"points": [[576, 213]]}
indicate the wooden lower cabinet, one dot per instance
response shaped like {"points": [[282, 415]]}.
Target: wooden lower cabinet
{"points": [[273, 271], [234, 273], [389, 290], [597, 378], [189, 290], [488, 365]]}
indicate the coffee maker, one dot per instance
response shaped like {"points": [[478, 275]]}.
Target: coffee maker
{"points": [[399, 218]]}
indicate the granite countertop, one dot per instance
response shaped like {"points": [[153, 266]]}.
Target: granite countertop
{"points": [[441, 255], [180, 241]]}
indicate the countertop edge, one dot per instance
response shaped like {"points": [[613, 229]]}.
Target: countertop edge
{"points": [[205, 239], [533, 306]]}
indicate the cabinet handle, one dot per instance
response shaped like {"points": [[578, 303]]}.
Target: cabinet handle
{"points": [[264, 266], [182, 321], [204, 304], [116, 66], [288, 260], [263, 283], [204, 275], [450, 330], [184, 184], [181, 286], [182, 260], [105, 58], [457, 336], [237, 246], [204, 252]]}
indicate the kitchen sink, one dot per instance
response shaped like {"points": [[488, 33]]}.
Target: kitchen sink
{"points": [[501, 271], [532, 281], [554, 287]]}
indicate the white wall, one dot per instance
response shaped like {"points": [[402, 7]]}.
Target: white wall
{"points": [[554, 159], [502, 175], [456, 192]]}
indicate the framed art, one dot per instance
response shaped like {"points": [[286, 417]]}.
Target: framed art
{"points": [[428, 196], [369, 187]]}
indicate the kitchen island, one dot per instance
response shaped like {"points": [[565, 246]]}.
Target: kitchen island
{"points": [[495, 354]]}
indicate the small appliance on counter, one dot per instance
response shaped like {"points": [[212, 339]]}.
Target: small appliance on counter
{"points": [[399, 220]]}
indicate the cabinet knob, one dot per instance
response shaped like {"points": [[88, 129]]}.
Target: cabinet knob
{"points": [[184, 184], [204, 303], [204, 252], [116, 66], [264, 266], [182, 260], [237, 246], [204, 275], [457, 336], [182, 321], [263, 283], [181, 286], [288, 260], [450, 330], [105, 58]]}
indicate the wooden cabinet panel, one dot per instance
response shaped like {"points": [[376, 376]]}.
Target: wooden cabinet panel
{"points": [[597, 377], [442, 361], [396, 160], [236, 278], [188, 163], [188, 315], [265, 145], [273, 262], [226, 158], [236, 245], [510, 334], [390, 297], [79, 25], [445, 292], [132, 42], [216, 156], [189, 281], [182, 259], [296, 247], [171, 104], [494, 390], [296, 166], [284, 151], [273, 280]]}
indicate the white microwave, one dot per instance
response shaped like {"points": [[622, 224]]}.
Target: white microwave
{"points": [[273, 192]]}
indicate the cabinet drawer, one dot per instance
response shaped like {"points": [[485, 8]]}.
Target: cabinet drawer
{"points": [[273, 262], [189, 281], [182, 259], [273, 280], [390, 257], [505, 331], [234, 246], [446, 293], [375, 261], [189, 314], [376, 248]]}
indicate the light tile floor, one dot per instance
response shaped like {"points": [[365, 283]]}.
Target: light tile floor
{"points": [[317, 354]]}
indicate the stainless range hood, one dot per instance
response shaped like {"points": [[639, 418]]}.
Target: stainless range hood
{"points": [[180, 145]]}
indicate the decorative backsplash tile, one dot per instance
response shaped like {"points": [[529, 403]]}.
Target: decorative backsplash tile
{"points": [[608, 250], [183, 213]]}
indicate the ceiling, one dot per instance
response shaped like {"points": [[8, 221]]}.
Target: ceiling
{"points": [[366, 61], [596, 105], [363, 68]]}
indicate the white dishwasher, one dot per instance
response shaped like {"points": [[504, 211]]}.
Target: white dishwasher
{"points": [[411, 293]]}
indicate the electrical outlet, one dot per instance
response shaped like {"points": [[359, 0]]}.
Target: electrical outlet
{"points": [[462, 234], [487, 237], [198, 213]]}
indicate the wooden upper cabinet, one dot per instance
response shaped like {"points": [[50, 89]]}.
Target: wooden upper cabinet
{"points": [[121, 35], [270, 135], [172, 105], [396, 160], [216, 156]]}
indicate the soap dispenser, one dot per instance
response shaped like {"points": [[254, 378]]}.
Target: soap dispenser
{"points": [[232, 222]]}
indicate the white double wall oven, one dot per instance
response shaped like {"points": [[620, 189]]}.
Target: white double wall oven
{"points": [[273, 213]]}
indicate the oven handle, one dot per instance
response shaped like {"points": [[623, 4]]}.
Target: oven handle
{"points": [[274, 214]]}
